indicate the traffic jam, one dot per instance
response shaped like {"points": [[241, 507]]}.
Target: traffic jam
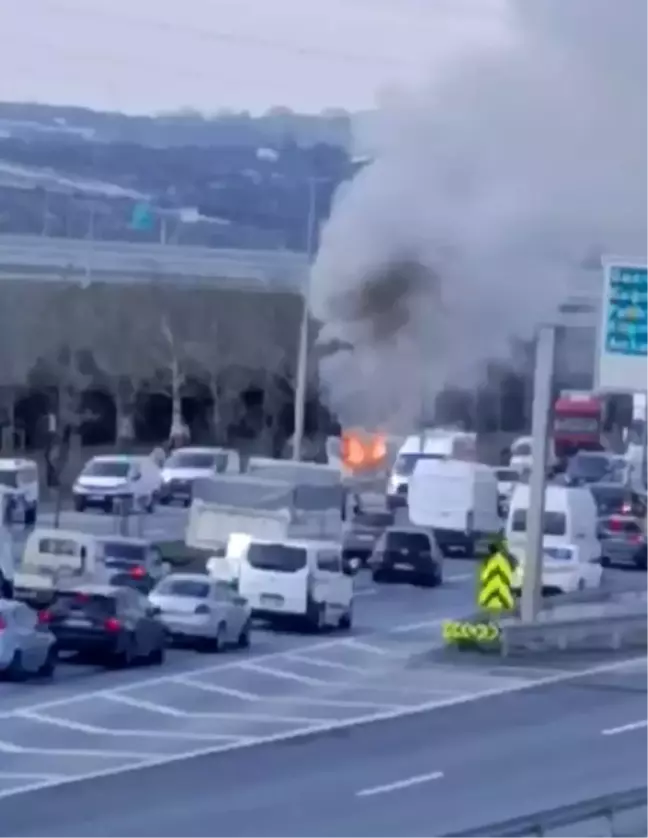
{"points": [[283, 544]]}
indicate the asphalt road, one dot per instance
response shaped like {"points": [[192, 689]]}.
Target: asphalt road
{"points": [[88, 722], [452, 767]]}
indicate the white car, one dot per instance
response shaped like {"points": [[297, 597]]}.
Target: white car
{"points": [[107, 480], [200, 611], [565, 569], [185, 465], [19, 489]]}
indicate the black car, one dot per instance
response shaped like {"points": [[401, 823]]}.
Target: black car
{"points": [[133, 562], [407, 553], [623, 541], [363, 532], [615, 498], [111, 625]]}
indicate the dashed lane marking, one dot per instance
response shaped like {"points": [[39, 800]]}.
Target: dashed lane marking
{"points": [[614, 731], [194, 683], [288, 676]]}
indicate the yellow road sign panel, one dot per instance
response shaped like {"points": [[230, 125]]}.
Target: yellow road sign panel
{"points": [[454, 631], [495, 580]]}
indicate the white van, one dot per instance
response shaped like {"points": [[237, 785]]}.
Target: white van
{"points": [[298, 580], [458, 500], [107, 479], [570, 519], [185, 465], [55, 557], [19, 489], [428, 445]]}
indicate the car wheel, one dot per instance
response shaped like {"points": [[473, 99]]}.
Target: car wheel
{"points": [[31, 514], [581, 584], [186, 503], [318, 620], [379, 575], [16, 670], [217, 643], [48, 667], [124, 658], [605, 561], [79, 504], [346, 620], [157, 655], [243, 641], [427, 581]]}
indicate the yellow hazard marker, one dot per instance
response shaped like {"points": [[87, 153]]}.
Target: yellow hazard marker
{"points": [[495, 580], [454, 631]]}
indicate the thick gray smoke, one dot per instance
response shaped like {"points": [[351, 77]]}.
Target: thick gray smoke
{"points": [[489, 189]]}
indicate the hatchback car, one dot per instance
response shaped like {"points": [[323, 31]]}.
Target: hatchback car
{"points": [[200, 611], [407, 553], [111, 625]]}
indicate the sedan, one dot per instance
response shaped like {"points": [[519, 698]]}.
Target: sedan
{"points": [[202, 612], [623, 541], [27, 647]]}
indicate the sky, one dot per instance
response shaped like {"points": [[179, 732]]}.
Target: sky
{"points": [[143, 56]]}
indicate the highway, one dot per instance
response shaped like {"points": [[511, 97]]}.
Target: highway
{"points": [[485, 723], [451, 767]]}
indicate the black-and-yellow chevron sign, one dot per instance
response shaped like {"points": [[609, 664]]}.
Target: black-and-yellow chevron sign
{"points": [[495, 584], [460, 631]]}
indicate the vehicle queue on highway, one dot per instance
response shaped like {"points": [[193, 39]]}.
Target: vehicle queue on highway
{"points": [[117, 600]]}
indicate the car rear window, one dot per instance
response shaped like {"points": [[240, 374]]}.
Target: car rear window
{"points": [[194, 588], [417, 542], [280, 557], [622, 526], [99, 605], [555, 523], [373, 520], [123, 555]]}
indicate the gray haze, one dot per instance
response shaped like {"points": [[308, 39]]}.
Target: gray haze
{"points": [[489, 189]]}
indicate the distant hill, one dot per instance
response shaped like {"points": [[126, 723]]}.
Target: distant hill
{"points": [[225, 180]]}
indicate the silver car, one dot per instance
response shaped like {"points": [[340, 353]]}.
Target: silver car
{"points": [[27, 647], [199, 611]]}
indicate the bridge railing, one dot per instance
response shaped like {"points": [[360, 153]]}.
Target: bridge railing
{"points": [[621, 814]]}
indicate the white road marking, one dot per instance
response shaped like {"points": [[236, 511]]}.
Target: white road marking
{"points": [[613, 731], [165, 710], [359, 670], [460, 577], [421, 625], [295, 735], [363, 646], [289, 676], [96, 730], [400, 784], [365, 592], [194, 683], [333, 702], [20, 775]]}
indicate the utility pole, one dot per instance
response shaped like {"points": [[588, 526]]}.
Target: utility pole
{"points": [[541, 412], [302, 351]]}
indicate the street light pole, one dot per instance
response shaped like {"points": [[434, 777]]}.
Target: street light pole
{"points": [[542, 391], [302, 352]]}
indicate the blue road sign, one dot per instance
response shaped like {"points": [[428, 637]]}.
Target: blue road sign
{"points": [[142, 217], [627, 311]]}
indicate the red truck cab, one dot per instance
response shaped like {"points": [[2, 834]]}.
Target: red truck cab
{"points": [[578, 424]]}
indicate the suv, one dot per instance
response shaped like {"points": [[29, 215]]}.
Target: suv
{"points": [[410, 553]]}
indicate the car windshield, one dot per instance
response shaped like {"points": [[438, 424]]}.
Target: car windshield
{"points": [[555, 523], [191, 459], [195, 588], [406, 463], [122, 554], [372, 520], [279, 557], [507, 475], [8, 478], [589, 467], [107, 468]]}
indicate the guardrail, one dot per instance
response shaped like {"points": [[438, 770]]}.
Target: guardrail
{"points": [[621, 814]]}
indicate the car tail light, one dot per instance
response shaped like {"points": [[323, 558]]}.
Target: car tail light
{"points": [[138, 572], [112, 624], [636, 538], [615, 524], [44, 617], [202, 609]]}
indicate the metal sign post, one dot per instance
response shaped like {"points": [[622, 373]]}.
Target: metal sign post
{"points": [[542, 387]]}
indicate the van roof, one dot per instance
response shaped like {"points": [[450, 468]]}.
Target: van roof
{"points": [[556, 495], [305, 543], [450, 465], [202, 449]]}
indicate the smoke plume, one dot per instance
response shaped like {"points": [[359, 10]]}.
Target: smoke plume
{"points": [[488, 191]]}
